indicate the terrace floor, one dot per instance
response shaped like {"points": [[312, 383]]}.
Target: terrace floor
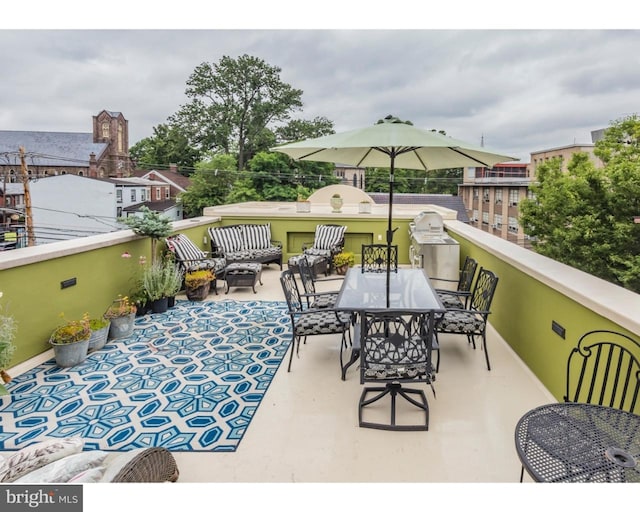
{"points": [[306, 428]]}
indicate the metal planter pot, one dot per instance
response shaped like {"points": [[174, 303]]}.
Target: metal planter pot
{"points": [[70, 354], [121, 326]]}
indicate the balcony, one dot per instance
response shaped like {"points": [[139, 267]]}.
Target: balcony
{"points": [[305, 429]]}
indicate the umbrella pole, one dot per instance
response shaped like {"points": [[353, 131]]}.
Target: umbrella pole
{"points": [[389, 228]]}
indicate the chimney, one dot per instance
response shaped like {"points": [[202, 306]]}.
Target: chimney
{"points": [[93, 166], [173, 168]]}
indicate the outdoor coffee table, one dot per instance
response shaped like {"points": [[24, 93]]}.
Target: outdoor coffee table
{"points": [[243, 274]]}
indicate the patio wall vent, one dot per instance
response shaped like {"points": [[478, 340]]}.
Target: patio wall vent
{"points": [[67, 283], [558, 329]]}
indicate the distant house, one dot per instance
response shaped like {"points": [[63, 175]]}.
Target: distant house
{"points": [[70, 206], [177, 182], [444, 200], [100, 153]]}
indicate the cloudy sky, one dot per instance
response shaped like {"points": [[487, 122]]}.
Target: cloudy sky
{"points": [[517, 90]]}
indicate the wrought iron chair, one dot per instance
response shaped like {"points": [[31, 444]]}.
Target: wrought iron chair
{"points": [[315, 300], [471, 320], [396, 348], [312, 322], [604, 369], [374, 258], [460, 296]]}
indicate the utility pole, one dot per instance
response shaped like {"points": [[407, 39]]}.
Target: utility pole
{"points": [[31, 239]]}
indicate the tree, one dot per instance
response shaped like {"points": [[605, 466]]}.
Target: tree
{"points": [[584, 217], [232, 103], [210, 184], [168, 145], [151, 224]]}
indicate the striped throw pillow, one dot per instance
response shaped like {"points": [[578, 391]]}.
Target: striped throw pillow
{"points": [[185, 249], [257, 236], [228, 239], [328, 237]]}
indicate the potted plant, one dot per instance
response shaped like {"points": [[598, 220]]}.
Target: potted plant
{"points": [[70, 341], [336, 203], [303, 205], [121, 313], [99, 333], [364, 207], [151, 224], [7, 347], [197, 284], [342, 261], [173, 278], [154, 286]]}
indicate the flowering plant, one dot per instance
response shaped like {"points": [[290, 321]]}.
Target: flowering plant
{"points": [[198, 278], [122, 306], [344, 258], [71, 331]]}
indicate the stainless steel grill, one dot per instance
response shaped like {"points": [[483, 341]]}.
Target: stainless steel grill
{"points": [[433, 249]]}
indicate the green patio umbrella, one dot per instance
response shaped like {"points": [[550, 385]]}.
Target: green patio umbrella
{"points": [[390, 144]]}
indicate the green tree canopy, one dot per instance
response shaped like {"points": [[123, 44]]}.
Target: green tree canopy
{"points": [[210, 184], [232, 103], [167, 145], [585, 217]]}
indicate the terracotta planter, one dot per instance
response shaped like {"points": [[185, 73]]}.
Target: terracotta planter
{"points": [[199, 293], [342, 270]]}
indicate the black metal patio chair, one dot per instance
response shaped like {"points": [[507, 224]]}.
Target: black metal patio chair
{"points": [[396, 348], [460, 296], [315, 299], [307, 322], [471, 320], [374, 258]]}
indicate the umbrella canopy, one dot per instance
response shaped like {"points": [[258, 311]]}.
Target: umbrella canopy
{"points": [[390, 144]]}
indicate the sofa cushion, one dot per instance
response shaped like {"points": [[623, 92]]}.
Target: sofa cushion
{"points": [[37, 455], [227, 239], [63, 470], [257, 236], [327, 237]]}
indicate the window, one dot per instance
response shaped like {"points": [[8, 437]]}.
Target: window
{"points": [[513, 225], [498, 196], [531, 195], [513, 196], [158, 193], [485, 195], [475, 192], [133, 195], [119, 196], [471, 172], [485, 218], [497, 221], [143, 195], [105, 130], [474, 218], [120, 139], [119, 212], [166, 193]]}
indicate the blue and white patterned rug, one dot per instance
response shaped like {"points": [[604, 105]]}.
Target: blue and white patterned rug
{"points": [[190, 379]]}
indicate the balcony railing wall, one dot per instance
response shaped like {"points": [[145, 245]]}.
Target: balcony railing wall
{"points": [[534, 291]]}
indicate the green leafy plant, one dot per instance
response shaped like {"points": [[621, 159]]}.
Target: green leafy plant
{"points": [[72, 331], [95, 324], [344, 258], [8, 328], [150, 224]]}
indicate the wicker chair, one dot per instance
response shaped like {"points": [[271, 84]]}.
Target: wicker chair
{"points": [[150, 465]]}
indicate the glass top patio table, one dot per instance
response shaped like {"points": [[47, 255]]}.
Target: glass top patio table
{"points": [[409, 290]]}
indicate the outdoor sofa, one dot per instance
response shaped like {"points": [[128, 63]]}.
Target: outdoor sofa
{"points": [[240, 243]]}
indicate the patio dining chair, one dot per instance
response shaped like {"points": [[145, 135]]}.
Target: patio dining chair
{"points": [[315, 299], [307, 322], [471, 320], [374, 257], [395, 348], [460, 296]]}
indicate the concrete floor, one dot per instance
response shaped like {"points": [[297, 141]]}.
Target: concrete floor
{"points": [[306, 428]]}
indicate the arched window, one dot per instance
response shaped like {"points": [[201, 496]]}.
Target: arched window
{"points": [[105, 130]]}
